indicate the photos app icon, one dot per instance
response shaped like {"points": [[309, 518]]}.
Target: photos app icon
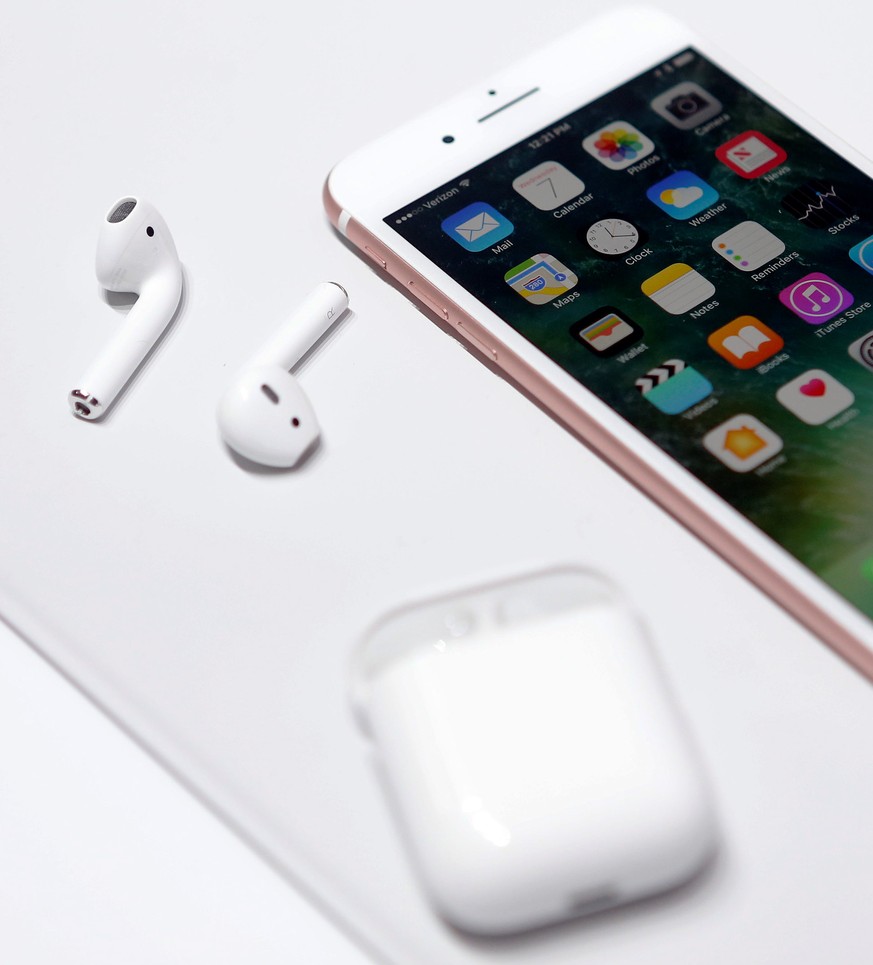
{"points": [[618, 145]]}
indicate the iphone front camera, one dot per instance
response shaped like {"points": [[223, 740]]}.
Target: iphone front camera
{"points": [[448, 139]]}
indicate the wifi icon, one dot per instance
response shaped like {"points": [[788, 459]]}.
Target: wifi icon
{"points": [[465, 183]]}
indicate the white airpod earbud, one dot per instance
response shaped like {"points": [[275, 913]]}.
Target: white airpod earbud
{"points": [[135, 253], [264, 415]]}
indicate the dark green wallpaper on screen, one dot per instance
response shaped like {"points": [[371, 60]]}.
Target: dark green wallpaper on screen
{"points": [[814, 496]]}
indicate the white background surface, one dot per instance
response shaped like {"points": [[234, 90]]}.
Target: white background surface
{"points": [[228, 117]]}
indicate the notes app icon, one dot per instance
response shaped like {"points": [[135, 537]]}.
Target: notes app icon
{"points": [[816, 298], [678, 288]]}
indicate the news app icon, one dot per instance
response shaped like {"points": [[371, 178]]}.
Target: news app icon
{"points": [[606, 332], [751, 154], [816, 298], [672, 387], [477, 227], [745, 342], [742, 443]]}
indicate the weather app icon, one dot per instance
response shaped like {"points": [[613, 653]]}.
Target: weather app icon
{"points": [[682, 195]]}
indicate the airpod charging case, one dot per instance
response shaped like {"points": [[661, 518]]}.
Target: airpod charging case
{"points": [[531, 751]]}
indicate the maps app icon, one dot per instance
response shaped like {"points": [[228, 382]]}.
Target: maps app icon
{"points": [[541, 279], [606, 332]]}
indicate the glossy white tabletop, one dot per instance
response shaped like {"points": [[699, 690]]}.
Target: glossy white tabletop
{"points": [[104, 857]]}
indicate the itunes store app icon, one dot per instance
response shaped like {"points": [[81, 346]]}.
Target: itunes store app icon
{"points": [[816, 298]]}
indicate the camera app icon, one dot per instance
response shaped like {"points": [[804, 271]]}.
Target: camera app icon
{"points": [[686, 105]]}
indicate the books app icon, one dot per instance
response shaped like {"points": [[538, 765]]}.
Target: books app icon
{"points": [[606, 331], [745, 342]]}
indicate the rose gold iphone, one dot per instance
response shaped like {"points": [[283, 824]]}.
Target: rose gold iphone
{"points": [[679, 266]]}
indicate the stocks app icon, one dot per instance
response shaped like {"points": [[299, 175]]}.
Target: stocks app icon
{"points": [[817, 204]]}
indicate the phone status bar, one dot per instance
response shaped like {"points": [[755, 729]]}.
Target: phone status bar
{"points": [[674, 64]]}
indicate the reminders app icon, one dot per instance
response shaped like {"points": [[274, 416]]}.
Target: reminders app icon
{"points": [[477, 227]]}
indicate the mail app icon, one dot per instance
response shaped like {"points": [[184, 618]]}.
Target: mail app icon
{"points": [[477, 227]]}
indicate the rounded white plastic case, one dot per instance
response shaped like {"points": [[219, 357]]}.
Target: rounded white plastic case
{"points": [[531, 751]]}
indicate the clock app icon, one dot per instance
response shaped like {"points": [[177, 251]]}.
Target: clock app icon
{"points": [[612, 236]]}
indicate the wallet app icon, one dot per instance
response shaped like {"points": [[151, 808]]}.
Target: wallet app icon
{"points": [[477, 227], [606, 332]]}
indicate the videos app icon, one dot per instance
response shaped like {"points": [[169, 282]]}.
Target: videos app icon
{"points": [[673, 387]]}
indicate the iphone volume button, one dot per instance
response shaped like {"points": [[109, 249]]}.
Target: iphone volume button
{"points": [[418, 290], [432, 303], [487, 350], [380, 261]]}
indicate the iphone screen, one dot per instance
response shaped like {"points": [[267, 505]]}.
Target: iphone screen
{"points": [[704, 266]]}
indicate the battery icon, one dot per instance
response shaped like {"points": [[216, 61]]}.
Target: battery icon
{"points": [[683, 59]]}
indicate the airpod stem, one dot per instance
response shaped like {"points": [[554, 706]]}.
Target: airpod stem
{"points": [[296, 336], [146, 320]]}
